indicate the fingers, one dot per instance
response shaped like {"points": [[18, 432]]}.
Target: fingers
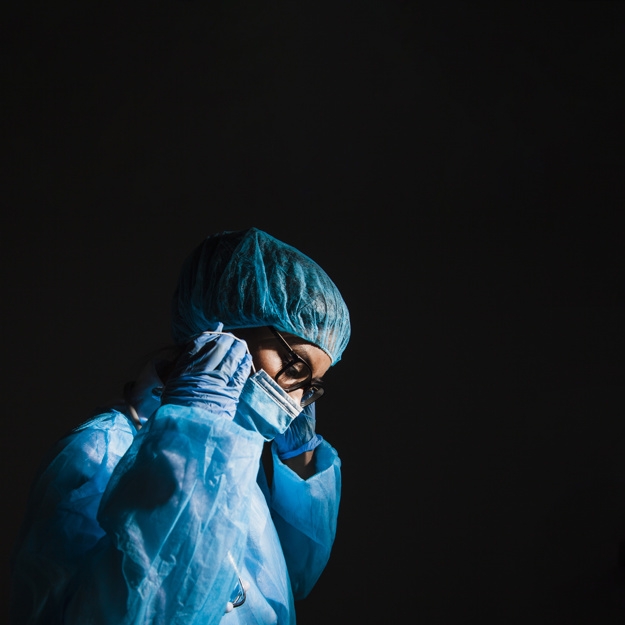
{"points": [[222, 352], [237, 363], [211, 350], [218, 355]]}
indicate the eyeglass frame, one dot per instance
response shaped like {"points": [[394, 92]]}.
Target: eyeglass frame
{"points": [[308, 383]]}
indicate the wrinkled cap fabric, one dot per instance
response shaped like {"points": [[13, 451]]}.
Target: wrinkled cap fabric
{"points": [[248, 279]]}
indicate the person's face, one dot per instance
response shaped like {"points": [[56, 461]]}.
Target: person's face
{"points": [[269, 353]]}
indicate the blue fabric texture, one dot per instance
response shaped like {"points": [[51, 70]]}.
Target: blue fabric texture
{"points": [[249, 279], [158, 526]]}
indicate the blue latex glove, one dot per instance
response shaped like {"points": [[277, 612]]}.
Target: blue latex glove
{"points": [[300, 436], [210, 374]]}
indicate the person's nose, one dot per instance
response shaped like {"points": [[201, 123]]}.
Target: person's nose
{"points": [[297, 395]]}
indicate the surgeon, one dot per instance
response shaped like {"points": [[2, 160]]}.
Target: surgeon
{"points": [[158, 509]]}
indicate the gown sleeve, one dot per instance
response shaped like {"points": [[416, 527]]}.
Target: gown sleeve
{"points": [[175, 520], [305, 514], [60, 527]]}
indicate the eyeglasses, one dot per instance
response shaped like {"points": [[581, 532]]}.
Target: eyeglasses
{"points": [[297, 374]]}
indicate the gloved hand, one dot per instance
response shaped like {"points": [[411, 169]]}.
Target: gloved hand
{"points": [[300, 436], [210, 374]]}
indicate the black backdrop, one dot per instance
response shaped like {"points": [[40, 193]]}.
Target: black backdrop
{"points": [[457, 168]]}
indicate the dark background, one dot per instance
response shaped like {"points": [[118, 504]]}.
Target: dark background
{"points": [[457, 168]]}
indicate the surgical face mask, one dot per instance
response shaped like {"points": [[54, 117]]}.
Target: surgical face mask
{"points": [[264, 407]]}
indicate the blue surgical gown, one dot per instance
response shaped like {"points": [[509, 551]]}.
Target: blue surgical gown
{"points": [[165, 525]]}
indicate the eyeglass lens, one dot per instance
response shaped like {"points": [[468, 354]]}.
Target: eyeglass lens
{"points": [[297, 374]]}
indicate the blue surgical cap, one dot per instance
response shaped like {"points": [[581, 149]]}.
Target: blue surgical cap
{"points": [[249, 279]]}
